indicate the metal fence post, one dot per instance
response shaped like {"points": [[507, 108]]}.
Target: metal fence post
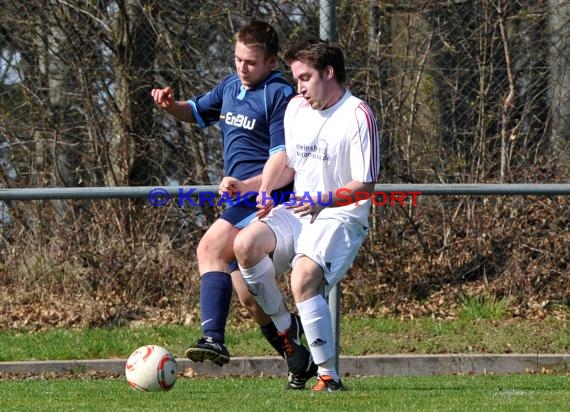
{"points": [[334, 306], [327, 20], [328, 31]]}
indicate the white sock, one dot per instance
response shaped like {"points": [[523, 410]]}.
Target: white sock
{"points": [[260, 280], [317, 323]]}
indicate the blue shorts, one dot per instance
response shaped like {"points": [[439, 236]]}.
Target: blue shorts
{"points": [[240, 214]]}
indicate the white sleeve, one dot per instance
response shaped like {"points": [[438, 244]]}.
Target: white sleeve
{"points": [[365, 146]]}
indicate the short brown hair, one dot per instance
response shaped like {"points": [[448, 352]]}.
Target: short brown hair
{"points": [[318, 54], [257, 33]]}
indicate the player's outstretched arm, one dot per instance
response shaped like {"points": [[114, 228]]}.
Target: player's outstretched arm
{"points": [[164, 98]]}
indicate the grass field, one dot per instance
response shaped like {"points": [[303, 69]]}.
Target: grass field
{"points": [[451, 393], [359, 336]]}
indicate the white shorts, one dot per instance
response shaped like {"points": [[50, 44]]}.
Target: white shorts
{"points": [[331, 242]]}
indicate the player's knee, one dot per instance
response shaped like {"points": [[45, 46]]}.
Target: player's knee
{"points": [[209, 248], [209, 258], [245, 249], [306, 284], [202, 249]]}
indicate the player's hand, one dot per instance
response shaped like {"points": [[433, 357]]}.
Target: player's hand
{"points": [[163, 97], [264, 205], [304, 206], [230, 186]]}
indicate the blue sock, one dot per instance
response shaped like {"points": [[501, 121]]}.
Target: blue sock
{"points": [[215, 299], [269, 331]]}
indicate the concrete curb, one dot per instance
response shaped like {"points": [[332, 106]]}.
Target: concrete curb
{"points": [[370, 365]]}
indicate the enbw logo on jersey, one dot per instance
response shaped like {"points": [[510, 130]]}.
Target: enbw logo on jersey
{"points": [[239, 121]]}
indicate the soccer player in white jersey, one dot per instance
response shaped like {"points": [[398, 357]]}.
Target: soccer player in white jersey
{"points": [[332, 147]]}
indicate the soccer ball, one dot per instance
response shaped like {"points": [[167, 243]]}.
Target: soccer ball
{"points": [[151, 368]]}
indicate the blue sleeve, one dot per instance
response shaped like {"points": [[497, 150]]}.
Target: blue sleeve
{"points": [[208, 106], [276, 112]]}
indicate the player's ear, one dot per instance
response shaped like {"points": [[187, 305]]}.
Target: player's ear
{"points": [[329, 73], [272, 60]]}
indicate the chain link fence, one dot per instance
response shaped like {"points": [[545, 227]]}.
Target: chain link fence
{"points": [[465, 92]]}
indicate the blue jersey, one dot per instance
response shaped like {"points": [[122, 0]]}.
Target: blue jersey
{"points": [[251, 121]]}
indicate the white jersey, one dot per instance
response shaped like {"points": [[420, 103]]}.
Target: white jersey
{"points": [[332, 147]]}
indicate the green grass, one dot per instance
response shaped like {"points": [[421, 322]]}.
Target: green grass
{"points": [[359, 336], [485, 307], [453, 393], [482, 327]]}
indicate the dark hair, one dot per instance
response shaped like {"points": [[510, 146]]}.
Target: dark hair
{"points": [[257, 33], [318, 54]]}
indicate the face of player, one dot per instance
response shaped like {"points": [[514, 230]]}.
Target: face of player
{"points": [[251, 65], [320, 89]]}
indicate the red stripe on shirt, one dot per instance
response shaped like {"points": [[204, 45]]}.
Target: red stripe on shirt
{"points": [[374, 140]]}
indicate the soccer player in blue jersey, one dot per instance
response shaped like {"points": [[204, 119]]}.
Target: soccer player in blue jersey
{"points": [[249, 107]]}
